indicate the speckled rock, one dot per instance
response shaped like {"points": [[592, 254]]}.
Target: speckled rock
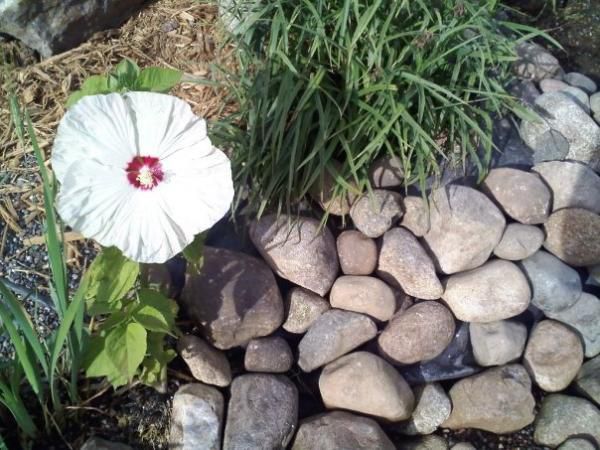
{"points": [[430, 442], [262, 412], [463, 446], [339, 430], [584, 317], [555, 421], [362, 294], [404, 263], [587, 381], [420, 333], [497, 400], [206, 363], [535, 62], [555, 286], [553, 355], [386, 172], [416, 215], [495, 291], [196, 418], [332, 335], [522, 195], [365, 383], [269, 354], [552, 85], [374, 214], [595, 103], [497, 343], [519, 242], [573, 185], [323, 192], [357, 253], [432, 408], [569, 121], [577, 444], [303, 308], [579, 97], [305, 254], [465, 227], [573, 235], [581, 81], [234, 299]]}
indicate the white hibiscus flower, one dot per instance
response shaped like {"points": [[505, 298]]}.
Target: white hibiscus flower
{"points": [[138, 172]]}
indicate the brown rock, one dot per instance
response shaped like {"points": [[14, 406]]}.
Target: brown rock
{"points": [[465, 227], [519, 242], [206, 363], [269, 354], [416, 215], [303, 307], [367, 295], [403, 262], [553, 355], [386, 172], [573, 235], [522, 195], [420, 333], [298, 249], [497, 400], [365, 383], [357, 253], [234, 299], [323, 192], [375, 213]]}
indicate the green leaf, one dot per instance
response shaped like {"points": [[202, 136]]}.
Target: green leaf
{"points": [[127, 73], [126, 347], [112, 276], [156, 312], [154, 366], [96, 84], [194, 253], [158, 79]]}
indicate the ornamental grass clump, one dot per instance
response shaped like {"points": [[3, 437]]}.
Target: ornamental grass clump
{"points": [[327, 81]]}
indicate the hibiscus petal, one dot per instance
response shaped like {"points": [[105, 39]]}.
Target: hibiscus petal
{"points": [[96, 127]]}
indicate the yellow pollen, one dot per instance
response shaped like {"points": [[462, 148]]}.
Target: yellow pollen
{"points": [[145, 177]]}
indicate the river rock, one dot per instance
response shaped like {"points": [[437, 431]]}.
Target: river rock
{"points": [[404, 263], [534, 62], [553, 356], [375, 213], [365, 383], [522, 195], [579, 97], [416, 215], [341, 430], [297, 249], [432, 408], [562, 417], [269, 354], [595, 103], [420, 333], [495, 291], [96, 443], [332, 335], [497, 400], [498, 343], [555, 286], [430, 442], [577, 444], [552, 85], [581, 81], [53, 26], [386, 172], [303, 307], [463, 446], [584, 317], [526, 91], [206, 363], [367, 295], [357, 253], [234, 299], [573, 234], [323, 192], [519, 242], [568, 120], [573, 185], [197, 418], [588, 380], [465, 227], [262, 412]]}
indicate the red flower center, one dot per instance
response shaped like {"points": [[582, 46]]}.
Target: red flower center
{"points": [[144, 172]]}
